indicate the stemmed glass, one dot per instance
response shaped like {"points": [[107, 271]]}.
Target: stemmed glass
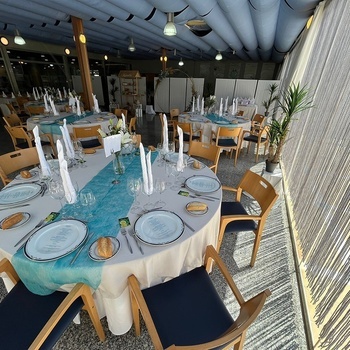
{"points": [[56, 190], [160, 151], [174, 172], [134, 188], [88, 200], [148, 192], [79, 151], [160, 186]]}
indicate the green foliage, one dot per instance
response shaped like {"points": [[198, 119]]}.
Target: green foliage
{"points": [[272, 89]]}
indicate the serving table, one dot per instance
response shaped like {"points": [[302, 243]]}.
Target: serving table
{"points": [[109, 279]]}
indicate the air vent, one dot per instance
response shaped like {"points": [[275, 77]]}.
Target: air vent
{"points": [[198, 27]]}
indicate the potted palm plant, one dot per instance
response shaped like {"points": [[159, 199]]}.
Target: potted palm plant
{"points": [[294, 100], [272, 89]]}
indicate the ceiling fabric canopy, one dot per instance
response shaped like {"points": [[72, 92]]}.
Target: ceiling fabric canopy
{"points": [[251, 30]]}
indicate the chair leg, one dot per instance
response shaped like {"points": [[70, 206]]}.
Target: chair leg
{"points": [[135, 313], [257, 153], [239, 345], [255, 248]]}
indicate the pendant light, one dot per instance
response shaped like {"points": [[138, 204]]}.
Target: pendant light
{"points": [[4, 41], [18, 38], [170, 29], [132, 47], [181, 62], [218, 56]]}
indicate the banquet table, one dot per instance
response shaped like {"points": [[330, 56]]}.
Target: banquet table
{"points": [[59, 105], [51, 124], [109, 279], [210, 123]]}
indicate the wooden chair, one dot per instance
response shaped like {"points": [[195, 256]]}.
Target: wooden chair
{"points": [[21, 138], [206, 151], [188, 313], [188, 135], [13, 120], [17, 160], [132, 125], [258, 135], [258, 119], [88, 136], [174, 113], [235, 218], [31, 321], [118, 112], [35, 110], [240, 113], [229, 139]]}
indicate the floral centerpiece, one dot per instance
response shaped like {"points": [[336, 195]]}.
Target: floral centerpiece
{"points": [[210, 103], [116, 128]]}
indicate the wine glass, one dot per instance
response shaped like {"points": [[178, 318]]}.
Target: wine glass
{"points": [[148, 192], [134, 188], [174, 173], [160, 186], [160, 158], [56, 190], [88, 200]]}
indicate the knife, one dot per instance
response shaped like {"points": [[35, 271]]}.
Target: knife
{"points": [[15, 206], [81, 248], [132, 234]]}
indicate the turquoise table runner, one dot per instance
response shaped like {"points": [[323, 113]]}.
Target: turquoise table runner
{"points": [[55, 127], [112, 203], [215, 118]]}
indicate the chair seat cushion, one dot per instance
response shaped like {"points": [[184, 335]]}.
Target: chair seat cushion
{"points": [[187, 310], [254, 138], [90, 143], [226, 142], [236, 208], [186, 137], [18, 332]]}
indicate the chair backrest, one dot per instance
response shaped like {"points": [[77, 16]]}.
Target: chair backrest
{"points": [[206, 151], [234, 133], [260, 189], [21, 101], [90, 133], [17, 160], [34, 110], [19, 133], [11, 108], [12, 120], [174, 113], [259, 118], [132, 125], [118, 112], [186, 127]]}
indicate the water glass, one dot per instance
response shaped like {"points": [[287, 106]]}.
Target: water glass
{"points": [[56, 190], [160, 186], [148, 192], [134, 188], [87, 200]]}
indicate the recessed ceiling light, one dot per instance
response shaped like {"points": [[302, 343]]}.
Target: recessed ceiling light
{"points": [[4, 41]]}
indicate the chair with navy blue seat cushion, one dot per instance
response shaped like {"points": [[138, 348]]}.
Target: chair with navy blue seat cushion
{"points": [[88, 136], [31, 321], [235, 217], [188, 313], [228, 139], [259, 135], [189, 135]]}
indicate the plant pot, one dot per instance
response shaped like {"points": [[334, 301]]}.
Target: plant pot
{"points": [[270, 167]]}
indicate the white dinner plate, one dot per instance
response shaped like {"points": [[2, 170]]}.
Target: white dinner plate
{"points": [[19, 193], [222, 122], [26, 218], [55, 240], [93, 250], [47, 122], [196, 212], [173, 157], [159, 227], [82, 122], [34, 173], [202, 184]]}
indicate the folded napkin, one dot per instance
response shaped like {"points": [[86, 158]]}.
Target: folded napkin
{"points": [[19, 94], [233, 112], [165, 134], [34, 95], [3, 94], [78, 106], [28, 94], [220, 109], [193, 99], [71, 101], [96, 106], [67, 140], [55, 113], [226, 104], [59, 94], [45, 168], [13, 95], [180, 160], [202, 109], [46, 104], [198, 109], [146, 171], [69, 190], [64, 92], [123, 118], [112, 144]]}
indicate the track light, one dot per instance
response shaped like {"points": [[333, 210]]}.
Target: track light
{"points": [[218, 56], [4, 41], [18, 38], [181, 62], [170, 29], [132, 47]]}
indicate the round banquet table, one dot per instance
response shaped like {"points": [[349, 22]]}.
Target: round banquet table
{"points": [[158, 264]]}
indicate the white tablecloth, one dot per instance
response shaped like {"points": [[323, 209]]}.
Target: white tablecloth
{"points": [[157, 265]]}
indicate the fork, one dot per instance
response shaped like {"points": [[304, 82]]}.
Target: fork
{"points": [[124, 233], [41, 222]]}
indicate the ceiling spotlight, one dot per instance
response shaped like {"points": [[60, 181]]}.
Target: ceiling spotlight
{"points": [[67, 51], [218, 56], [4, 41], [82, 38], [170, 29], [132, 47], [105, 57], [18, 39], [233, 52], [181, 62]]}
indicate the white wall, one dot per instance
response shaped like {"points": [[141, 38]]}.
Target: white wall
{"points": [[96, 87]]}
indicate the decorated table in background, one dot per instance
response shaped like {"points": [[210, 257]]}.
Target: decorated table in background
{"points": [[51, 124], [158, 263]]}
